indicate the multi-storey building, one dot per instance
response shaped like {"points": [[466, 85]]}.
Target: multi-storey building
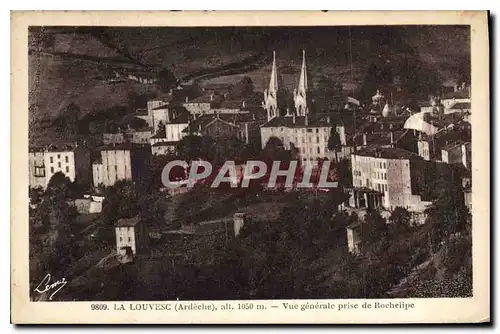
{"points": [[71, 160], [131, 233], [121, 162], [386, 177], [307, 134]]}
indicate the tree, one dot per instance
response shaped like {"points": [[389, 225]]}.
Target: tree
{"points": [[334, 142], [166, 80], [400, 218], [161, 130], [327, 93], [135, 100], [448, 214], [194, 147], [121, 201], [72, 115], [244, 88], [35, 195], [374, 227], [60, 187]]}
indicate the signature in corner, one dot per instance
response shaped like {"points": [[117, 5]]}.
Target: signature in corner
{"points": [[46, 286]]}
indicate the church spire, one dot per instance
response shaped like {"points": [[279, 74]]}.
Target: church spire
{"points": [[273, 82], [271, 95], [299, 95], [303, 75]]}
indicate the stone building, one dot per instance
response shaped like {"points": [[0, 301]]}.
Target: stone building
{"points": [[131, 232], [120, 162], [385, 177], [71, 160], [298, 129]]}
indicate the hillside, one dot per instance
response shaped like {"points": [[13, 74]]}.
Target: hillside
{"points": [[71, 65]]}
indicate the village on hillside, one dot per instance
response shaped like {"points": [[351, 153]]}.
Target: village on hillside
{"points": [[397, 225]]}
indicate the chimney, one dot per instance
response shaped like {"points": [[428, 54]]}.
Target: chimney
{"points": [[243, 105], [392, 139], [187, 99], [364, 139], [239, 221]]}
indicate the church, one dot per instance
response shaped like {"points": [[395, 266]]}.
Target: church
{"points": [[298, 129]]}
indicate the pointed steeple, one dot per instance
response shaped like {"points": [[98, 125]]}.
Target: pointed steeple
{"points": [[271, 94], [299, 94], [303, 75], [273, 82]]}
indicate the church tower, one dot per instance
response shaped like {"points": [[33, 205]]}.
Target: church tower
{"points": [[299, 94], [271, 95]]}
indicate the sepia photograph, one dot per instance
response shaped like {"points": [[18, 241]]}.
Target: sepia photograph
{"points": [[247, 163]]}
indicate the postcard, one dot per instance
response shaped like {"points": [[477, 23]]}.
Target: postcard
{"points": [[250, 167]]}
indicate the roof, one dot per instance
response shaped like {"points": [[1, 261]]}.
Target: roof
{"points": [[313, 121], [206, 98], [121, 146], [182, 118], [377, 151], [163, 106], [165, 97], [461, 94], [460, 105], [60, 147], [127, 222], [141, 112], [425, 104], [452, 145], [382, 138], [446, 135], [165, 143]]}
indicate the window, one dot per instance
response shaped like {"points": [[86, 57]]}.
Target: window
{"points": [[39, 171], [317, 130], [58, 156], [67, 169], [51, 159], [317, 140], [52, 169], [59, 164], [318, 150], [121, 239], [129, 240], [67, 159], [309, 130]]}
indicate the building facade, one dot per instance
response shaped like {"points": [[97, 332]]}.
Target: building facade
{"points": [[71, 160], [131, 232], [120, 162], [383, 178]]}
